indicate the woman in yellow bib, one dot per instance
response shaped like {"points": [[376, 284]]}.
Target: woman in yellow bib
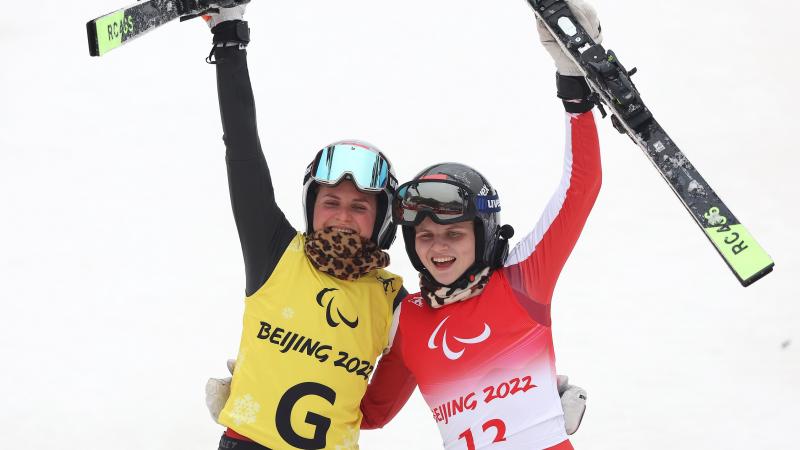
{"points": [[319, 304]]}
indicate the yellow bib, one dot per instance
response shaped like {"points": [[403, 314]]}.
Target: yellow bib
{"points": [[309, 343]]}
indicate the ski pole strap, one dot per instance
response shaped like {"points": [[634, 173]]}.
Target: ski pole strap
{"points": [[575, 93], [231, 31], [234, 33]]}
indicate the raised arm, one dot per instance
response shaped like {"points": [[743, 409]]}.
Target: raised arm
{"points": [[534, 265], [263, 229]]}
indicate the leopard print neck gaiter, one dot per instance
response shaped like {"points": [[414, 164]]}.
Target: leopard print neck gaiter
{"points": [[346, 256]]}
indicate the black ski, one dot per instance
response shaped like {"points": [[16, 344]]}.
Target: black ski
{"points": [[612, 86], [123, 25]]}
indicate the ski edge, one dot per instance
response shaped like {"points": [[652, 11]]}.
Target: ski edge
{"points": [[758, 276], [727, 235], [91, 34]]}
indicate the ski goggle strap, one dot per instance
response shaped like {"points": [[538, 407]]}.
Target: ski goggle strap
{"points": [[444, 201], [367, 168]]}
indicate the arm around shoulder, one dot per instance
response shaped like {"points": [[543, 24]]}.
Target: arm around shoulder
{"points": [[389, 390]]}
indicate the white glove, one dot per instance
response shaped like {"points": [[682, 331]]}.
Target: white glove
{"points": [[573, 402], [587, 17], [225, 14], [217, 392]]}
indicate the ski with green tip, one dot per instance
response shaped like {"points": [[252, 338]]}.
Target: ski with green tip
{"points": [[611, 85], [118, 28]]}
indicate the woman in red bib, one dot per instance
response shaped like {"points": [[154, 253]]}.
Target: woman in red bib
{"points": [[477, 338]]}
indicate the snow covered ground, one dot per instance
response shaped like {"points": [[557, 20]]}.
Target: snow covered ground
{"points": [[120, 269]]}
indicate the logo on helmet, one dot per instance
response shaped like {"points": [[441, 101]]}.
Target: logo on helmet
{"points": [[487, 204]]}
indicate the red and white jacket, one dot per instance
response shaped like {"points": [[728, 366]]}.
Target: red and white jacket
{"points": [[486, 366]]}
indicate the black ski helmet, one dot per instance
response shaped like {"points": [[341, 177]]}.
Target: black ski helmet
{"points": [[491, 238], [379, 172]]}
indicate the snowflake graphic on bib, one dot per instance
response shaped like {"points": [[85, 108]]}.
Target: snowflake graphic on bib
{"points": [[350, 441], [245, 410]]}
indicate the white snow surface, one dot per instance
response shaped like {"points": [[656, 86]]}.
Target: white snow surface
{"points": [[121, 272]]}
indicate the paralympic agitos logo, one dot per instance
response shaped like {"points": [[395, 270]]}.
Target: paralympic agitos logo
{"points": [[446, 349], [329, 306]]}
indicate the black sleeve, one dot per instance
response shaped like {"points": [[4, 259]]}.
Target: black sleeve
{"points": [[263, 229]]}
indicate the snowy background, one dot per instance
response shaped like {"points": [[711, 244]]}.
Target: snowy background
{"points": [[121, 273]]}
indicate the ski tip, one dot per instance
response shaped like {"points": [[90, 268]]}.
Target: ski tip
{"points": [[757, 276], [108, 32]]}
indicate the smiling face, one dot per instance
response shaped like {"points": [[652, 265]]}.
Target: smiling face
{"points": [[345, 208], [447, 251]]}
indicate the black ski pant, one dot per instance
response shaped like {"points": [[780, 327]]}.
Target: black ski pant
{"points": [[229, 443]]}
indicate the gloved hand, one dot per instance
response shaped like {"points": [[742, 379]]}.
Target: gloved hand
{"points": [[220, 14], [587, 17], [573, 402], [217, 392]]}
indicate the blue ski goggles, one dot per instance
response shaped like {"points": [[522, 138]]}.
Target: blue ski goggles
{"points": [[444, 201], [367, 168]]}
